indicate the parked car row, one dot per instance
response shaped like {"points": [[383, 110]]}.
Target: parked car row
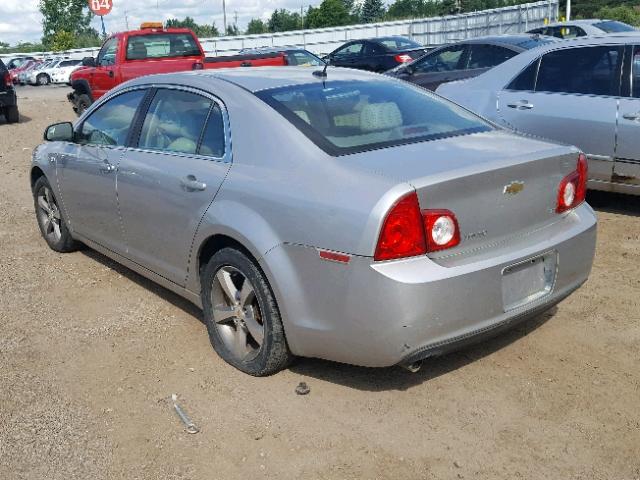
{"points": [[30, 71]]}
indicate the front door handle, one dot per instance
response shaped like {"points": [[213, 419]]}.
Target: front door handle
{"points": [[111, 74], [191, 184], [107, 167], [631, 116], [521, 105]]}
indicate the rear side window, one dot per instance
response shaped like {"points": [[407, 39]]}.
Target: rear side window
{"points": [[399, 43], [527, 78], [109, 125], [175, 121], [487, 56], [344, 117], [213, 138], [161, 45], [587, 70], [353, 50], [69, 63]]}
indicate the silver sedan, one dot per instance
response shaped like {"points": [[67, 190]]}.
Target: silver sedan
{"points": [[344, 215]]}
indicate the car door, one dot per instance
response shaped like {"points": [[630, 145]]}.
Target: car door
{"points": [[103, 75], [437, 67], [349, 56], [169, 179], [86, 170], [570, 95], [626, 169]]}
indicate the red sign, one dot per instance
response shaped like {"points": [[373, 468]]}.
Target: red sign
{"points": [[101, 7]]}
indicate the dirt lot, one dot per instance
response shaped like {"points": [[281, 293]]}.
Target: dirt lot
{"points": [[90, 353]]}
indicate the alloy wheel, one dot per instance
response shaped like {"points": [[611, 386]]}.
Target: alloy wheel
{"points": [[236, 313], [49, 215]]}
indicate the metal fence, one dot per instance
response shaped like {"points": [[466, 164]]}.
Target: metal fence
{"points": [[427, 31]]}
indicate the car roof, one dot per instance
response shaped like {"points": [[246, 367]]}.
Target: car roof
{"points": [[260, 78], [522, 41], [588, 21]]}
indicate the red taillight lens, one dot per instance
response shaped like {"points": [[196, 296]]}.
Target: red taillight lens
{"points": [[441, 227], [408, 232], [403, 58], [402, 233], [573, 188], [7, 79]]}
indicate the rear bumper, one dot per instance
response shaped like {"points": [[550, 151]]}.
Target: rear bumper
{"points": [[8, 99], [383, 313]]}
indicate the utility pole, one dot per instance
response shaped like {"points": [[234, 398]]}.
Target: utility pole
{"points": [[235, 18], [224, 17], [126, 19], [568, 10]]}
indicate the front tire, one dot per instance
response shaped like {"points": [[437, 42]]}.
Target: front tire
{"points": [[43, 80], [242, 316], [84, 102], [50, 219]]}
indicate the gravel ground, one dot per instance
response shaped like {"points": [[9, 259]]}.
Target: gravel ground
{"points": [[90, 354]]}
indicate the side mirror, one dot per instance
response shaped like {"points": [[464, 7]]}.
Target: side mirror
{"points": [[59, 132], [409, 70], [88, 62], [327, 59]]}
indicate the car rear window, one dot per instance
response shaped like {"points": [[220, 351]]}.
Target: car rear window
{"points": [[399, 43], [612, 26], [162, 45], [343, 117]]}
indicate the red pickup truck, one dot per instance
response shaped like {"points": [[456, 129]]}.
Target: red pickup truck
{"points": [[153, 49]]}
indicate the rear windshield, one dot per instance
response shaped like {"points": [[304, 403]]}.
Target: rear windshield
{"points": [[162, 45], [343, 117], [612, 26], [399, 43]]}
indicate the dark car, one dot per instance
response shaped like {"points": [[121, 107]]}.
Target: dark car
{"points": [[8, 99], [465, 59], [376, 54]]}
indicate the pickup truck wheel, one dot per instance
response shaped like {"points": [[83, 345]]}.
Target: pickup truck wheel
{"points": [[83, 103], [43, 79], [242, 316], [11, 114], [50, 219]]}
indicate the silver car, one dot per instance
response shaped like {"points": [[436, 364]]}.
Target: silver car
{"points": [[584, 92], [583, 28], [346, 216]]}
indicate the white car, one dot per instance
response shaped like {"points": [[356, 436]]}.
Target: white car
{"points": [[62, 73], [583, 28], [44, 75]]}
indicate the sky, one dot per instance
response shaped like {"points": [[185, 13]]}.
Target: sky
{"points": [[21, 21]]}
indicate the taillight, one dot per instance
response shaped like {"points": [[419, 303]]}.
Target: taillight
{"points": [[408, 232], [7, 79], [573, 188], [402, 233], [197, 66], [441, 227], [403, 58]]}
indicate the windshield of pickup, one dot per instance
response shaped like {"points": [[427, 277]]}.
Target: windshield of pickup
{"points": [[343, 117], [162, 45]]}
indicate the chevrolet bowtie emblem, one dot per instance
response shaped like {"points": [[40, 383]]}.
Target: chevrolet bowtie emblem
{"points": [[513, 188]]}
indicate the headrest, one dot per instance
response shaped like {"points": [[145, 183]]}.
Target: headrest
{"points": [[380, 116]]}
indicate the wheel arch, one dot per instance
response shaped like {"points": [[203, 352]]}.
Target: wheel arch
{"points": [[81, 86], [35, 174]]}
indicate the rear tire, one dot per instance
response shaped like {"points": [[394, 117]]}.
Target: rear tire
{"points": [[84, 102], [43, 79], [242, 316], [12, 114], [53, 226]]}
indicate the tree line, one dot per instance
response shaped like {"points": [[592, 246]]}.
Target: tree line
{"points": [[66, 23]]}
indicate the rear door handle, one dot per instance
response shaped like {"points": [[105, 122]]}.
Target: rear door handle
{"points": [[521, 105], [191, 184], [631, 116]]}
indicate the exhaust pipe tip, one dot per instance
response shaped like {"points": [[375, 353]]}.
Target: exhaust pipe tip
{"points": [[413, 367]]}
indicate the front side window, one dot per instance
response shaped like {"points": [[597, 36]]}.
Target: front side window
{"points": [[487, 56], [161, 45], [175, 121], [353, 50], [110, 124], [108, 52], [587, 70], [443, 61], [345, 117]]}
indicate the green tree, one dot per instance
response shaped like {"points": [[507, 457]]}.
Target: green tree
{"points": [[255, 26], [232, 30], [622, 13], [372, 11], [202, 31], [330, 13], [62, 40], [282, 20], [72, 16]]}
